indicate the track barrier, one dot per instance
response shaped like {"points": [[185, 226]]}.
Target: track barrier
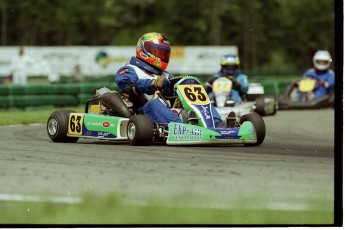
{"points": [[74, 94]]}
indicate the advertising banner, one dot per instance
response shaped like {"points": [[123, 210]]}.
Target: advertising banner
{"points": [[106, 60]]}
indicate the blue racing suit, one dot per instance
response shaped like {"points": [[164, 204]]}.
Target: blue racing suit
{"points": [[326, 76], [135, 79], [236, 92]]}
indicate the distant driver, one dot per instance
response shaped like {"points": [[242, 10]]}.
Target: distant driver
{"points": [[320, 72]]}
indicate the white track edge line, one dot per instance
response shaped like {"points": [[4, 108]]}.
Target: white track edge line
{"points": [[34, 198]]}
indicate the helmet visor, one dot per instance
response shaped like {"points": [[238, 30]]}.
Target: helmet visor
{"points": [[229, 70], [322, 62], [161, 51], [229, 67]]}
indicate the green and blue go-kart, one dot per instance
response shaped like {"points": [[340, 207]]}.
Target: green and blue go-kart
{"points": [[109, 116]]}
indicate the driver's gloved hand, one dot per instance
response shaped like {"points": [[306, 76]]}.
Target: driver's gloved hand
{"points": [[232, 78], [160, 82], [294, 83], [234, 81], [321, 83]]}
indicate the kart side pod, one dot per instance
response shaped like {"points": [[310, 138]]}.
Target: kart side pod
{"points": [[251, 132]]}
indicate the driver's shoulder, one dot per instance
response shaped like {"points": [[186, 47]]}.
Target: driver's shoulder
{"points": [[309, 72]]}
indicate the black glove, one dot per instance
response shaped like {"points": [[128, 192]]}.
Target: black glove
{"points": [[234, 81], [323, 83], [211, 80], [320, 83], [175, 79]]}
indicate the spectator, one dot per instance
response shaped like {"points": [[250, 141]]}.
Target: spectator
{"points": [[19, 67]]}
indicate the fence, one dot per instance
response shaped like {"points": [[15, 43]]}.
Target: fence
{"points": [[60, 95]]}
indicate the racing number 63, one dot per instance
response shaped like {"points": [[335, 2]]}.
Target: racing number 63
{"points": [[197, 94], [75, 124]]}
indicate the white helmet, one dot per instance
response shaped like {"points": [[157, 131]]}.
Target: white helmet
{"points": [[322, 60]]}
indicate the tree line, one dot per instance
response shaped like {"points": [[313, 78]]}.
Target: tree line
{"points": [[270, 34]]}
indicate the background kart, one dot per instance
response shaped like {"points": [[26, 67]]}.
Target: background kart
{"points": [[109, 116], [253, 101], [306, 87]]}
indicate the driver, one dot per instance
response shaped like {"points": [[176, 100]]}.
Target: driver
{"points": [[145, 73], [322, 73], [229, 64]]}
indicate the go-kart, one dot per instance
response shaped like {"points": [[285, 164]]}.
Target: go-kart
{"points": [[306, 87], [253, 101], [110, 116]]}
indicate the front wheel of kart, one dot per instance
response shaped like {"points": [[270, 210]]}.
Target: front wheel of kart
{"points": [[260, 106], [275, 106], [57, 126], [259, 125], [140, 130], [272, 107]]}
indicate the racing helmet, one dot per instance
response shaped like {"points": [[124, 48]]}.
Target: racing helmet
{"points": [[322, 60], [154, 48], [229, 64]]}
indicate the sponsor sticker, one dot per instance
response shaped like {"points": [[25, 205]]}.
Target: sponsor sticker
{"points": [[102, 134], [106, 124], [181, 132]]}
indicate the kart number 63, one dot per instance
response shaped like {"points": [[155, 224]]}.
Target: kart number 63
{"points": [[194, 94], [75, 124]]}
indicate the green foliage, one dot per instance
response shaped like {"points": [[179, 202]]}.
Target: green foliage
{"points": [[310, 27], [263, 30]]}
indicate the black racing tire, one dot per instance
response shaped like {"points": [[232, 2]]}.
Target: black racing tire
{"points": [[140, 130], [260, 106], [259, 125], [57, 126], [275, 107], [114, 101], [272, 108]]}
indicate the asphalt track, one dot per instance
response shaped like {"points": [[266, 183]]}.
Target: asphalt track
{"points": [[292, 168]]}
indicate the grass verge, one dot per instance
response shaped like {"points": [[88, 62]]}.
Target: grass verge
{"points": [[113, 210], [30, 115]]}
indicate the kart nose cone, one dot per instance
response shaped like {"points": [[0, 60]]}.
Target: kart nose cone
{"points": [[221, 101]]}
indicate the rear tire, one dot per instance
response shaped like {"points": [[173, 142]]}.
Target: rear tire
{"points": [[57, 126], [275, 107], [260, 106], [272, 107], [259, 125], [140, 130], [114, 101]]}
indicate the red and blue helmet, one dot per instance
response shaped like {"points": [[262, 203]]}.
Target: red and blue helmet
{"points": [[154, 48]]}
